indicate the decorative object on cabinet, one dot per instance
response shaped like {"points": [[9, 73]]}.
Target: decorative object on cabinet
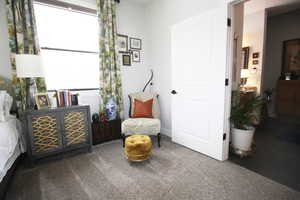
{"points": [[291, 56], [111, 109], [255, 62], [136, 57], [122, 43], [245, 57], [42, 101], [255, 55], [126, 60], [135, 44], [52, 132], [106, 131], [288, 97]]}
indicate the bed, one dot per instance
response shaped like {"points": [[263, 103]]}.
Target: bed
{"points": [[12, 143]]}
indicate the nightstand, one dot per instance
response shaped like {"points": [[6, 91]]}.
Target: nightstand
{"points": [[106, 131]]}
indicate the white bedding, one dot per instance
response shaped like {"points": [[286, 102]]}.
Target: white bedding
{"points": [[10, 139]]}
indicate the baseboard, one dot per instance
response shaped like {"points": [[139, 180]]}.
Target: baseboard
{"points": [[166, 132]]}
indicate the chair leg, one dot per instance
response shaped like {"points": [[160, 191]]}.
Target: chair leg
{"points": [[158, 139], [123, 139]]}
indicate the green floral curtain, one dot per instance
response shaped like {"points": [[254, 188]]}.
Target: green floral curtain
{"points": [[110, 72], [22, 40]]}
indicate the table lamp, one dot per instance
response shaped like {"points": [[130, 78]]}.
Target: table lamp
{"points": [[244, 76], [29, 67]]}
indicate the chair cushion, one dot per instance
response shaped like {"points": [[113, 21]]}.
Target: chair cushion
{"points": [[144, 96], [145, 126], [142, 109]]}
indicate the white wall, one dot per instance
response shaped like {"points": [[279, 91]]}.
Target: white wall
{"points": [[238, 25], [280, 28], [131, 21], [162, 14], [5, 68], [254, 37]]}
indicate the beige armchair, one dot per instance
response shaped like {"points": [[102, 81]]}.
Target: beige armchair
{"points": [[144, 126]]}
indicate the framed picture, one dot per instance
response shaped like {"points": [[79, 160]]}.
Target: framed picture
{"points": [[255, 62], [291, 56], [135, 43], [126, 60], [122, 43], [136, 56], [42, 100], [255, 55], [245, 57]]}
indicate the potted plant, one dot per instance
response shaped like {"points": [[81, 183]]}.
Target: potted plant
{"points": [[244, 115]]}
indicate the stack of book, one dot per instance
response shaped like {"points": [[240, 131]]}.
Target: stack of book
{"points": [[66, 98]]}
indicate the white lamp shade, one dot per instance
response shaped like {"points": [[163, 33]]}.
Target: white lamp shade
{"points": [[29, 66], [245, 73]]}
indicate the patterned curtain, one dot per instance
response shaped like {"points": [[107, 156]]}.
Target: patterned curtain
{"points": [[22, 40], [110, 72]]}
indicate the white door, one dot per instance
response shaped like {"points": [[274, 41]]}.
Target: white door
{"points": [[198, 78]]}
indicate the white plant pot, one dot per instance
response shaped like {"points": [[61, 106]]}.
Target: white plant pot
{"points": [[242, 139]]}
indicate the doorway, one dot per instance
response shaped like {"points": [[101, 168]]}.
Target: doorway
{"points": [[259, 70]]}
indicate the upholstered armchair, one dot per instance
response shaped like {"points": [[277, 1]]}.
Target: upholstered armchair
{"points": [[144, 126]]}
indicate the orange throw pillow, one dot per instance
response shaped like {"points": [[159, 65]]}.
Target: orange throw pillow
{"points": [[142, 109]]}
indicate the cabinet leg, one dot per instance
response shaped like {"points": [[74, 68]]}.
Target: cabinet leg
{"points": [[158, 139]]}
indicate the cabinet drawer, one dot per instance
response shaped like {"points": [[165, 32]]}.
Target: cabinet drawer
{"points": [[75, 125], [44, 131]]}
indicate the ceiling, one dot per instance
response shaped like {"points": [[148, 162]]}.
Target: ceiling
{"points": [[139, 1], [274, 7]]}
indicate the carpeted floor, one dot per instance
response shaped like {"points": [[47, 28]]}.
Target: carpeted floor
{"points": [[173, 172]]}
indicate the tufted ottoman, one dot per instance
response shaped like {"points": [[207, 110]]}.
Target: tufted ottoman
{"points": [[138, 147]]}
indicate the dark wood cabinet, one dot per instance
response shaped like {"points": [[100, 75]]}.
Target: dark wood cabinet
{"points": [[52, 132], [106, 131], [288, 97]]}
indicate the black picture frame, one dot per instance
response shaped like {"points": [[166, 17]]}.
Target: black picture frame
{"points": [[255, 55], [245, 57], [135, 46], [291, 56], [126, 59], [136, 56], [122, 38]]}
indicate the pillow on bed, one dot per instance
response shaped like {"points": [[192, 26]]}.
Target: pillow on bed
{"points": [[5, 105]]}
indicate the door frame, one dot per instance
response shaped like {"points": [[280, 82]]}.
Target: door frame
{"points": [[229, 64]]}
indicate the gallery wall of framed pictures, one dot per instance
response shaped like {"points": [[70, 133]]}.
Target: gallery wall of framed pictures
{"points": [[129, 48]]}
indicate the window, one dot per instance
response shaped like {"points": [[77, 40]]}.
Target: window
{"points": [[69, 46]]}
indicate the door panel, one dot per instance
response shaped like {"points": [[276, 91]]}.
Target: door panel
{"points": [[199, 71]]}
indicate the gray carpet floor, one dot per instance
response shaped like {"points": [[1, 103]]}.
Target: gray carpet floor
{"points": [[173, 172]]}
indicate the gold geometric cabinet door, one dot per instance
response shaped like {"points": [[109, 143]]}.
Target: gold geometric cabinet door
{"points": [[45, 133], [75, 128]]}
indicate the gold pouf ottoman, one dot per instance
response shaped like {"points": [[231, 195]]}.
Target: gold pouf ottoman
{"points": [[138, 147]]}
